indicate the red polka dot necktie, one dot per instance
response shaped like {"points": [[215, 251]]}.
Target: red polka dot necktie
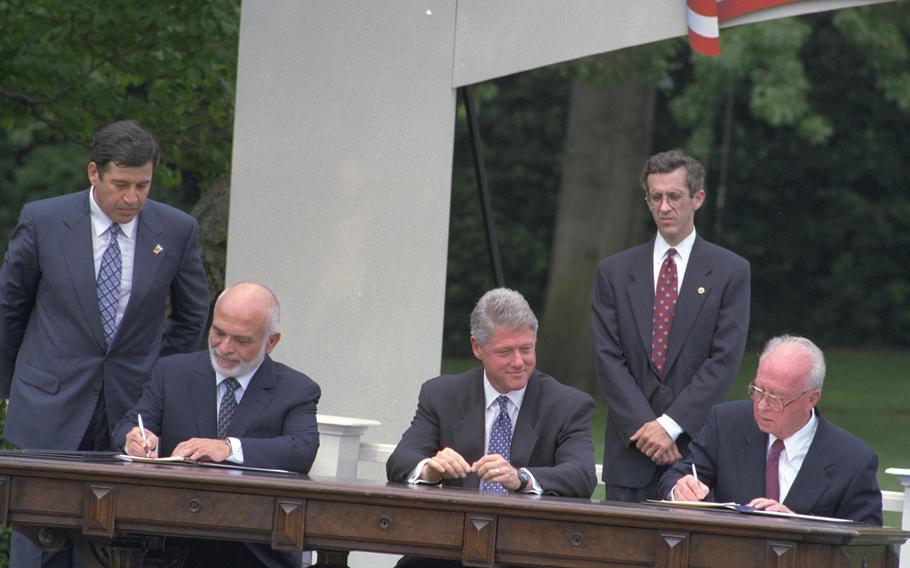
{"points": [[664, 307], [772, 471]]}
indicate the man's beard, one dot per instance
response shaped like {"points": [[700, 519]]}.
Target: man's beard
{"points": [[238, 370]]}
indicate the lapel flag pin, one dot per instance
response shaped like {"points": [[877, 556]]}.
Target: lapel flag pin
{"points": [[701, 290], [157, 249]]}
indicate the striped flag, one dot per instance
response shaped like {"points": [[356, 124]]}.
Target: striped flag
{"points": [[704, 32], [704, 16]]}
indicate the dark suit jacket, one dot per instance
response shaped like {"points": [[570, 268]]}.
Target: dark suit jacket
{"points": [[275, 421], [707, 340], [837, 478], [53, 357], [552, 436]]}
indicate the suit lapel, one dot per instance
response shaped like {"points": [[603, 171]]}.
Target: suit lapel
{"points": [[750, 458], [469, 433], [145, 260], [695, 289], [641, 296], [524, 438], [255, 399], [812, 480], [203, 394], [76, 242]]}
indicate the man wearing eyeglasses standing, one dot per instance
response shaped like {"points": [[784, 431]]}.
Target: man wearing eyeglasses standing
{"points": [[669, 318], [777, 453]]}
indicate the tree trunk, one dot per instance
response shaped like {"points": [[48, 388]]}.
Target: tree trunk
{"points": [[601, 211]]}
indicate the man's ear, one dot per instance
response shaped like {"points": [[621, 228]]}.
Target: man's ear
{"points": [[475, 347], [273, 341], [94, 174], [698, 199]]}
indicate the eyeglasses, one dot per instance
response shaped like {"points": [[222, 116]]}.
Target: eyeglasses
{"points": [[673, 199], [775, 403]]}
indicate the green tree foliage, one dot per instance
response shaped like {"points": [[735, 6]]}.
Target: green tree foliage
{"points": [[825, 222], [801, 121], [67, 68]]}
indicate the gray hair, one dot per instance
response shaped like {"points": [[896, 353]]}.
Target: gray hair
{"points": [[501, 307], [670, 161], [270, 303], [816, 378]]}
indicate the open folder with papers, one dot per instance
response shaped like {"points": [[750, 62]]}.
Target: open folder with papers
{"points": [[747, 509], [188, 461]]}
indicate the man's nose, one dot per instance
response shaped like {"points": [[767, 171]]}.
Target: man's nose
{"points": [[131, 196]]}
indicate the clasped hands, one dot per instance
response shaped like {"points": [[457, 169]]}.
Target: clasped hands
{"points": [[449, 464], [687, 488], [200, 449], [653, 441]]}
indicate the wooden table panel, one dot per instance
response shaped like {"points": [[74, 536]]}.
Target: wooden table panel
{"points": [[194, 508], [384, 524], [562, 540]]}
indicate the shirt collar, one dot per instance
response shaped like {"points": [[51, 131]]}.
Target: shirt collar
{"points": [[491, 394], [683, 249], [244, 380], [800, 439], [101, 222]]}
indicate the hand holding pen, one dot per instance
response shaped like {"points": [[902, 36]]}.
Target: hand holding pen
{"points": [[689, 488], [141, 442]]}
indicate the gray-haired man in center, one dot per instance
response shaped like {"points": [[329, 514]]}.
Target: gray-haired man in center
{"points": [[502, 427]]}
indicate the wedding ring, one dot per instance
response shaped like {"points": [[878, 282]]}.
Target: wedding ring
{"points": [[496, 470]]}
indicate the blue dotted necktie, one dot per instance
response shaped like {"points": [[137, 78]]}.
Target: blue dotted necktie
{"points": [[228, 406], [664, 309], [500, 441], [108, 284]]}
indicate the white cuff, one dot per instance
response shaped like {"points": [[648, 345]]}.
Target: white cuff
{"points": [[236, 451], [670, 425]]}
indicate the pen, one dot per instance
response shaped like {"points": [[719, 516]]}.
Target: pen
{"points": [[694, 473], [145, 440]]}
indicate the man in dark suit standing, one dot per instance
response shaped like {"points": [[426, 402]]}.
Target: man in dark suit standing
{"points": [[502, 427], [232, 403], [778, 453], [670, 318], [83, 289]]}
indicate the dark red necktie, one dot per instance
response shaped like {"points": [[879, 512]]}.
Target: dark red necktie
{"points": [[772, 479], [664, 307]]}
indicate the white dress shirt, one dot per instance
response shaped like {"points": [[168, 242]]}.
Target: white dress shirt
{"points": [[795, 449], [126, 240], [681, 259]]}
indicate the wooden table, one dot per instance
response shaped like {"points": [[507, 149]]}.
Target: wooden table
{"points": [[124, 502]]}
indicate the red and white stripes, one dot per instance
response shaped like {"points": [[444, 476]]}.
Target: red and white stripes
{"points": [[704, 16]]}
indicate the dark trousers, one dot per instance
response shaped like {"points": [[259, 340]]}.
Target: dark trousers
{"points": [[636, 494]]}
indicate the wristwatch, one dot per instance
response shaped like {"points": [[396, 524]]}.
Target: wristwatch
{"points": [[524, 477]]}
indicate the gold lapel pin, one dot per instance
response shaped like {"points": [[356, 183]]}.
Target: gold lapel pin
{"points": [[159, 248], [701, 290]]}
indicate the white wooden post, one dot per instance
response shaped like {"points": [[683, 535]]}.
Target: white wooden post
{"points": [[903, 475], [339, 445]]}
